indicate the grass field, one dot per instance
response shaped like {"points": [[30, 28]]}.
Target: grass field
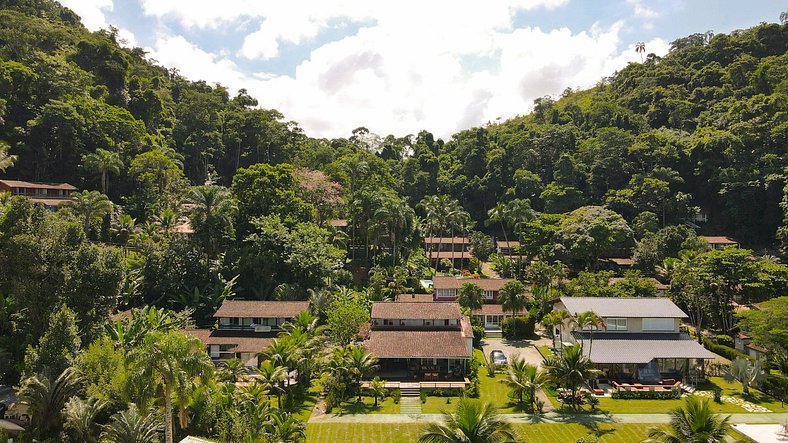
{"points": [[408, 433]]}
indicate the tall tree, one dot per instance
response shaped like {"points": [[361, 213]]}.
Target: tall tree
{"points": [[103, 163], [90, 206], [473, 422], [571, 369], [211, 210], [513, 297], [470, 296], [130, 426], [46, 397]]}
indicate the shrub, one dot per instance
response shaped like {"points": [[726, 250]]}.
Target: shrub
{"points": [[724, 340], [540, 405], [647, 395], [521, 326], [396, 395], [725, 351], [478, 335], [423, 396], [587, 439], [775, 385], [717, 395], [491, 368]]}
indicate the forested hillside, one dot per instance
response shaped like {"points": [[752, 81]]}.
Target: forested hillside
{"points": [[704, 128]]}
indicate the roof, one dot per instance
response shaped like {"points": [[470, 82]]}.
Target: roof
{"points": [[7, 395], [509, 244], [756, 348], [416, 310], [265, 309], [38, 185], [466, 327], [613, 280], [243, 341], [643, 350], [446, 240], [654, 307], [621, 261], [719, 240], [487, 284], [337, 223], [417, 344], [183, 228], [191, 439], [416, 298], [489, 309], [50, 201]]}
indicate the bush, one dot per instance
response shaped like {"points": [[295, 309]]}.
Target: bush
{"points": [[775, 385], [717, 395], [478, 335], [725, 351], [587, 439], [521, 326], [647, 395], [396, 395], [724, 340], [423, 396], [491, 369]]}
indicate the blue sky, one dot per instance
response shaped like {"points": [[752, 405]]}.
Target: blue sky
{"points": [[399, 67]]}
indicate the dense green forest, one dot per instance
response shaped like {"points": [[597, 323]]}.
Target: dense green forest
{"points": [[617, 170]]}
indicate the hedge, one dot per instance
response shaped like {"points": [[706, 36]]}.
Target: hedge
{"points": [[725, 351], [775, 385], [647, 395], [521, 326]]}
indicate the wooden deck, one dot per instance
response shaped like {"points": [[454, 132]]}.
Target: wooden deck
{"points": [[422, 384]]}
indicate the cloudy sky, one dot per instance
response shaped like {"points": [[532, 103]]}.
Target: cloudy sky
{"points": [[400, 66]]}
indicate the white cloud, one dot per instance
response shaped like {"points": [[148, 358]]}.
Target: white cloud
{"points": [[412, 65], [642, 11], [91, 11]]}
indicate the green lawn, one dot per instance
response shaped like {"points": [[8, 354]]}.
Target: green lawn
{"points": [[544, 351], [367, 406], [307, 403], [538, 433]]}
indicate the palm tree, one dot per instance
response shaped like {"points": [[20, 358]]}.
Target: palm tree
{"points": [[524, 378], [592, 321], [640, 48], [694, 423], [270, 377], [552, 320], [377, 389], [304, 322], [512, 297], [211, 210], [746, 373], [123, 228], [130, 426], [167, 220], [232, 369], [359, 364], [470, 296], [397, 217], [431, 206], [103, 162], [170, 360], [46, 398], [90, 206], [498, 215], [6, 160], [570, 370], [81, 418], [284, 428], [474, 422]]}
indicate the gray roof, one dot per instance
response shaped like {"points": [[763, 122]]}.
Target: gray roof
{"points": [[659, 307], [640, 350], [7, 396]]}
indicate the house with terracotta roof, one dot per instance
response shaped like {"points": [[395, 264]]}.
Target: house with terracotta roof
{"points": [[455, 249], [639, 341], [445, 287], [246, 327], [509, 249], [720, 241], [743, 343], [491, 316], [420, 340], [50, 195]]}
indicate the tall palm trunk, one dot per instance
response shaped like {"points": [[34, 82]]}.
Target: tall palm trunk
{"points": [[168, 438], [104, 182]]}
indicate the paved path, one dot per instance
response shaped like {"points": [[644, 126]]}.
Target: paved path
{"points": [[550, 417]]}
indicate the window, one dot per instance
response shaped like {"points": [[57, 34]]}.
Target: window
{"points": [[616, 324], [446, 293], [488, 295], [658, 324]]}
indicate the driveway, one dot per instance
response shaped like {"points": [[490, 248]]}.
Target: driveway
{"points": [[526, 348]]}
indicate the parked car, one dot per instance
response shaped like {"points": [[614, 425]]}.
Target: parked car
{"points": [[498, 358]]}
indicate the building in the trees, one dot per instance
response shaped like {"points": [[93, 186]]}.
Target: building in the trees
{"points": [[246, 327], [508, 249], [720, 242], [640, 341], [417, 298], [13, 412], [428, 341], [491, 316], [445, 288], [50, 195], [743, 343], [455, 249]]}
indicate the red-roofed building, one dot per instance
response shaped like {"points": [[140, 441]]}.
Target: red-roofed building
{"points": [[455, 249], [445, 288], [420, 340], [720, 242], [50, 195]]}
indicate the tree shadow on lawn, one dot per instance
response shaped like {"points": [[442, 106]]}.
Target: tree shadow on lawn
{"points": [[356, 407]]}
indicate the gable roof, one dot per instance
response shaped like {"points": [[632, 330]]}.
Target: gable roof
{"points": [[413, 298], [640, 350], [487, 284], [719, 240], [509, 244], [38, 185], [240, 341], [653, 307], [258, 308], [416, 310]]}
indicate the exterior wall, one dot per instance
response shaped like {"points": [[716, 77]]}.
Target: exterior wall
{"points": [[445, 294], [245, 323], [491, 322], [452, 323]]}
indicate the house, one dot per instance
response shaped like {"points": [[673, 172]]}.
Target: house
{"points": [[743, 343], [662, 289], [455, 249], [720, 242], [50, 195], [639, 341], [445, 288], [246, 327], [509, 249], [490, 315], [414, 298], [14, 414], [420, 340]]}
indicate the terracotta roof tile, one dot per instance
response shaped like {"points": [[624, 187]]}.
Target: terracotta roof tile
{"points": [[416, 310], [489, 309], [264, 309], [417, 344], [420, 298], [487, 284], [242, 341], [38, 185], [719, 240]]}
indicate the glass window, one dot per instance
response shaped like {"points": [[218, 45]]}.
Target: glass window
{"points": [[616, 324], [658, 324]]}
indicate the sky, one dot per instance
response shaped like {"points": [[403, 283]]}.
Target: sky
{"points": [[397, 67]]}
